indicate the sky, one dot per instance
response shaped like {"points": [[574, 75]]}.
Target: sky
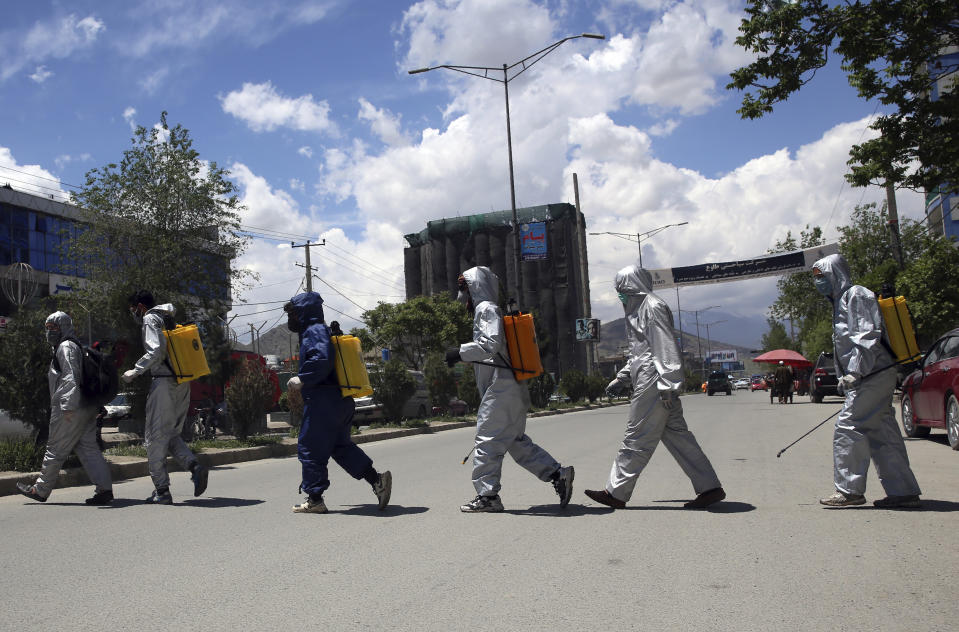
{"points": [[310, 107]]}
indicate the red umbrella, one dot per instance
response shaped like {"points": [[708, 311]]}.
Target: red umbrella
{"points": [[786, 356]]}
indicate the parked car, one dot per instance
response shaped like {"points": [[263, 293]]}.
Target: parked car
{"points": [[824, 381], [456, 408], [717, 382], [757, 383], [741, 383], [416, 406], [929, 393], [117, 409]]}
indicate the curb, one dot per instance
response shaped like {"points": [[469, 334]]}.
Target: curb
{"points": [[127, 467]]}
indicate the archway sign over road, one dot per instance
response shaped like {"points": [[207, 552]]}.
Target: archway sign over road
{"points": [[771, 265]]}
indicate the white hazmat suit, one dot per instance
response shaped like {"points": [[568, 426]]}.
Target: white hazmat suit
{"points": [[167, 402], [73, 425], [501, 417], [655, 369], [866, 426]]}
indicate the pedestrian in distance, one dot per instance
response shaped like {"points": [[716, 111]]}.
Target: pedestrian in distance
{"points": [[866, 426], [655, 370], [72, 419], [167, 401], [784, 381], [327, 413], [501, 416]]}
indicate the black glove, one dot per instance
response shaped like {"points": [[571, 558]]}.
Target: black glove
{"points": [[452, 356]]}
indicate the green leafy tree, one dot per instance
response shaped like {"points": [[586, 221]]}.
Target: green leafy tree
{"points": [[776, 337], [540, 388], [392, 387], [25, 359], [418, 327], [466, 388], [440, 379], [931, 287], [573, 383], [891, 52], [248, 396]]}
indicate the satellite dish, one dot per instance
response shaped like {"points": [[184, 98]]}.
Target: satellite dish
{"points": [[18, 284]]}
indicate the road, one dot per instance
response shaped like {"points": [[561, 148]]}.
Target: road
{"points": [[768, 558]]}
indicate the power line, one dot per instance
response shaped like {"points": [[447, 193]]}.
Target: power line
{"points": [[366, 262], [341, 293], [362, 273], [27, 173]]}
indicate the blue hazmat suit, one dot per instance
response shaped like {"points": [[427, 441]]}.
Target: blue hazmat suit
{"points": [[866, 426], [327, 414], [167, 401], [655, 370], [501, 417], [73, 424]]}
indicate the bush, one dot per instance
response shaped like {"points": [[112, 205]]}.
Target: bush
{"points": [[466, 390], [573, 383], [294, 404], [20, 455], [24, 360], [248, 397], [540, 388], [440, 380], [392, 387], [595, 387]]}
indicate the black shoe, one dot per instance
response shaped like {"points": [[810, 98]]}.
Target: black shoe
{"points": [[100, 498], [30, 491], [706, 499], [483, 504], [564, 485], [383, 487], [603, 497], [199, 477], [166, 498]]}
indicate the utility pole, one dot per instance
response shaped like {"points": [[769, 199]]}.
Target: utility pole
{"points": [[892, 212], [583, 272], [309, 269]]}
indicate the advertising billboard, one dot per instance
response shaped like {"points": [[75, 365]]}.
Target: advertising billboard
{"points": [[722, 355], [532, 238], [587, 330]]}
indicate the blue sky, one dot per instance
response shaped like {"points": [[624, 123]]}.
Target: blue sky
{"points": [[309, 105]]}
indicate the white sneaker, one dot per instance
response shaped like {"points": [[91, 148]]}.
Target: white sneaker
{"points": [[564, 485], [483, 504], [840, 499], [310, 506]]}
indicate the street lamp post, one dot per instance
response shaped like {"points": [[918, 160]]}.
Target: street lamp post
{"points": [[639, 236], [709, 345], [698, 339], [484, 73]]}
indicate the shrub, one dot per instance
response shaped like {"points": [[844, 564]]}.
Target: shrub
{"points": [[392, 387], [24, 360], [466, 390], [248, 397], [595, 387], [20, 455], [540, 388], [294, 404], [573, 383], [440, 380]]}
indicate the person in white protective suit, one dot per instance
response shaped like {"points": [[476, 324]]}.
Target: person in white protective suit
{"points": [[655, 370], [167, 402], [501, 417], [866, 425], [73, 426]]}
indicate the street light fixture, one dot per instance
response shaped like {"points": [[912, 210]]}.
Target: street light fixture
{"points": [[639, 236], [484, 73]]}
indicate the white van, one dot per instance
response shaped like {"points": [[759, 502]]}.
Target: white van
{"points": [[416, 407]]}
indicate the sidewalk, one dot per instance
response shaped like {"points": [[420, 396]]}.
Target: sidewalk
{"points": [[127, 467]]}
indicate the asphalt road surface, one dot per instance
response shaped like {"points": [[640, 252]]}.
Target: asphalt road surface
{"points": [[768, 558]]}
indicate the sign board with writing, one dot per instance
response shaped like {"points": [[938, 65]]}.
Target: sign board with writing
{"points": [[723, 355], [773, 265], [587, 329], [532, 239]]}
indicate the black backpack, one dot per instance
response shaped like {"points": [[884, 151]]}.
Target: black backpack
{"points": [[98, 381]]}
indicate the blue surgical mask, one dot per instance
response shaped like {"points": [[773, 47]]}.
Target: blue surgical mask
{"points": [[824, 285]]}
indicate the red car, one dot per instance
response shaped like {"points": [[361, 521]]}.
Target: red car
{"points": [[757, 383], [929, 393]]}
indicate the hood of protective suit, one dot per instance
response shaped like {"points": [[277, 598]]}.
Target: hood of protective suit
{"points": [[165, 310], [64, 322], [483, 284], [308, 308], [634, 282], [835, 268]]}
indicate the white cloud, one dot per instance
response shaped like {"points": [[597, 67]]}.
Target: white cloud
{"points": [[128, 116], [29, 178], [64, 159], [262, 108], [664, 128], [152, 81], [41, 74], [305, 151], [57, 38], [297, 185], [384, 124]]}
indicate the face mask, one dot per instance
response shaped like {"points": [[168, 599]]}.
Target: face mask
{"points": [[53, 337], [824, 285], [135, 315], [623, 298], [463, 297], [293, 324]]}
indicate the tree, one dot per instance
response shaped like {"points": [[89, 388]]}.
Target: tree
{"points": [[931, 286], [162, 219], [249, 396], [466, 389], [25, 359], [440, 380], [392, 387], [540, 388], [891, 51], [573, 383], [798, 300], [417, 327], [776, 337], [595, 387]]}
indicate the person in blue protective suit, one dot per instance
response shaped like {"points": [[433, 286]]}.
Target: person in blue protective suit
{"points": [[866, 426], [501, 418], [167, 401], [72, 420], [655, 371], [327, 414]]}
